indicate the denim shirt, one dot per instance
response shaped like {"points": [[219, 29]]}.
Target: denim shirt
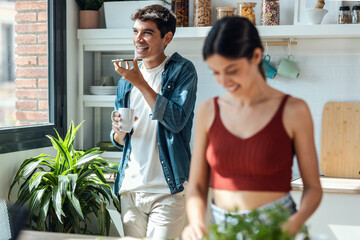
{"points": [[174, 111]]}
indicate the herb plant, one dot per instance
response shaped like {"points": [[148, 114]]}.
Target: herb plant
{"points": [[257, 225]]}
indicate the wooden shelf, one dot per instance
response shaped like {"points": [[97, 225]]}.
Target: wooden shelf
{"points": [[282, 31], [112, 155], [99, 100], [190, 40]]}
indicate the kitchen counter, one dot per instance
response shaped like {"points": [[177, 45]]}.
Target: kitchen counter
{"points": [[337, 217], [37, 235], [332, 185]]}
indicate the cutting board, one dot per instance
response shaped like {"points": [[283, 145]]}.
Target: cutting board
{"points": [[340, 140]]}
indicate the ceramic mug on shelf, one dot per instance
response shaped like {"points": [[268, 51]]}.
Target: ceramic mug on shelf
{"points": [[288, 69], [127, 116], [270, 71], [107, 81]]}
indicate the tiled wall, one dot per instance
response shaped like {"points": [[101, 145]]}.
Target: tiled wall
{"points": [[323, 78]]}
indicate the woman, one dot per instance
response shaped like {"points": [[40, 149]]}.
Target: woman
{"points": [[245, 139]]}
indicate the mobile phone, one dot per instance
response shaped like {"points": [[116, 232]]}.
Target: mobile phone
{"points": [[122, 60]]}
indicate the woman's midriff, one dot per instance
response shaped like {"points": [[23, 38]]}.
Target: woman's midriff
{"points": [[244, 200]]}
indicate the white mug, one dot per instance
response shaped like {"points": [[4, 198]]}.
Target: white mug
{"points": [[107, 81], [127, 118]]}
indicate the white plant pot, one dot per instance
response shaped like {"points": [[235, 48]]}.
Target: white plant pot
{"points": [[118, 14]]}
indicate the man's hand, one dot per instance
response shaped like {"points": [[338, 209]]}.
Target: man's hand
{"points": [[119, 135], [133, 75]]}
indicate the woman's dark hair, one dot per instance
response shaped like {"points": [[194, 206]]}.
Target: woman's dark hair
{"points": [[160, 15], [233, 37]]}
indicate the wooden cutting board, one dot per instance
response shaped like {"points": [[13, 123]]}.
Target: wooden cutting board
{"points": [[340, 140]]}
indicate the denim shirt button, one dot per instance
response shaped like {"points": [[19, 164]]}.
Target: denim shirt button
{"points": [[169, 86], [162, 162], [168, 179]]}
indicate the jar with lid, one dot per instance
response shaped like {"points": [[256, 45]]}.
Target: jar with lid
{"points": [[182, 12], [344, 15], [202, 13], [225, 12], [246, 9], [270, 12], [356, 14]]}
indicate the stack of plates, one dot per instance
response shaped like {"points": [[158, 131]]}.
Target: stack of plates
{"points": [[103, 90]]}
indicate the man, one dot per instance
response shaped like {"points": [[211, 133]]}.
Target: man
{"points": [[156, 153]]}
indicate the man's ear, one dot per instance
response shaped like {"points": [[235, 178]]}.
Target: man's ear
{"points": [[257, 55], [167, 38]]}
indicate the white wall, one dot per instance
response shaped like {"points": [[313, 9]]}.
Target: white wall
{"points": [[10, 163]]}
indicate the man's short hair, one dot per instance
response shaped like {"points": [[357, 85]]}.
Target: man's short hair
{"points": [[164, 19]]}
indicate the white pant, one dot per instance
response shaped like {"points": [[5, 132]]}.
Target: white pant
{"points": [[153, 215]]}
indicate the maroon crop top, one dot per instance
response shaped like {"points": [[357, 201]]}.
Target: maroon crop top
{"points": [[261, 162]]}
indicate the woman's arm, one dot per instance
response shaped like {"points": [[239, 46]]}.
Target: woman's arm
{"points": [[196, 197], [299, 119]]}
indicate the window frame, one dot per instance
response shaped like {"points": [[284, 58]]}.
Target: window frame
{"points": [[14, 139]]}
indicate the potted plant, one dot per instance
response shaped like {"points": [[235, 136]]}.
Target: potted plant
{"points": [[118, 12], [64, 191], [89, 13]]}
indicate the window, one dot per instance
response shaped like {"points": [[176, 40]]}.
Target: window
{"points": [[32, 73]]}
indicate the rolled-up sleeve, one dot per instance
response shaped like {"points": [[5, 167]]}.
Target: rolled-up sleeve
{"points": [[113, 140]]}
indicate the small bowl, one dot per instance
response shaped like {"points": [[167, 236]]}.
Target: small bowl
{"points": [[315, 15]]}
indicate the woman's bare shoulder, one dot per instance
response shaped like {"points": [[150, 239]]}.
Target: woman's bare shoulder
{"points": [[297, 116], [296, 107], [206, 106], [205, 112]]}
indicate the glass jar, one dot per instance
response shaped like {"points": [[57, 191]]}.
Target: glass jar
{"points": [[182, 13], [224, 12], [356, 14], [344, 15], [270, 12], [246, 9], [202, 13]]}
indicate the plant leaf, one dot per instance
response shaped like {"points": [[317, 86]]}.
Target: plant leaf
{"points": [[56, 202], [63, 183], [44, 210], [64, 152], [36, 199], [87, 159], [35, 180], [72, 180], [76, 204]]}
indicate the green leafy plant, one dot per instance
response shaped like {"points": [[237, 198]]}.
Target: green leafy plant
{"points": [[64, 191], [89, 4], [257, 225]]}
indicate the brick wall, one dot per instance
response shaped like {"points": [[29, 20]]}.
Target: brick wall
{"points": [[31, 62]]}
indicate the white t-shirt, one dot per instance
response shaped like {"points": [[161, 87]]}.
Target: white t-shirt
{"points": [[144, 172]]}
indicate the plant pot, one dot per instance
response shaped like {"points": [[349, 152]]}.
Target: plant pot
{"points": [[89, 19], [118, 13]]}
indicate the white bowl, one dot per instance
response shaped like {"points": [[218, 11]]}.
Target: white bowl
{"points": [[315, 15]]}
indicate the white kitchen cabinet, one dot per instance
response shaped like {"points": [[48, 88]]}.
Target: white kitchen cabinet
{"points": [[99, 45]]}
